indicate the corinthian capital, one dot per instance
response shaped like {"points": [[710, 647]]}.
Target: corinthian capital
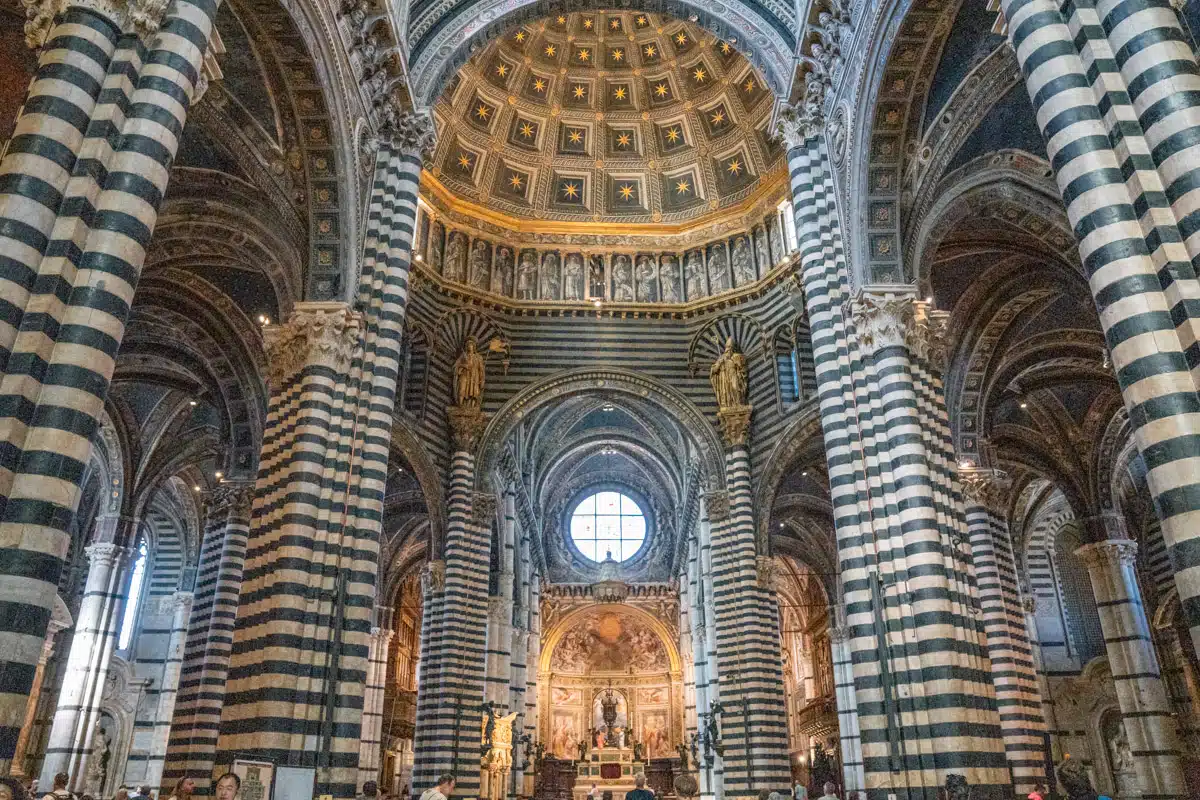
{"points": [[716, 503], [317, 333], [882, 316], [409, 132], [142, 17], [1109, 553], [985, 487], [797, 124], [927, 336]]}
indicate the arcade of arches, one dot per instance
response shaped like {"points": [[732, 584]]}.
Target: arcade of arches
{"points": [[738, 393]]}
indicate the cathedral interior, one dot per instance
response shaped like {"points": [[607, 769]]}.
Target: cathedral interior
{"points": [[734, 393]]}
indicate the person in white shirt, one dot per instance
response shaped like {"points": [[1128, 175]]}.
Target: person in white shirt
{"points": [[800, 792], [443, 790]]}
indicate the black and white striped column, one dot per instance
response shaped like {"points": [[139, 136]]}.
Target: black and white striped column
{"points": [[1014, 672], [192, 744], [1145, 709], [62, 341], [370, 752], [1129, 233], [925, 702], [454, 662]]}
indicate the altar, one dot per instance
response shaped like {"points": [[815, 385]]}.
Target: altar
{"points": [[612, 769]]}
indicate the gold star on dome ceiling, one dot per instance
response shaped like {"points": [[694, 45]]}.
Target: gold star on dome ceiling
{"points": [[651, 51], [570, 190], [726, 48], [626, 192], [562, 20], [618, 54], [673, 135], [681, 39], [515, 181], [550, 50], [682, 187], [718, 118], [482, 112], [623, 140], [619, 93], [520, 36], [502, 70], [661, 90], [615, 24], [579, 91], [584, 55], [464, 162], [587, 24], [575, 136], [699, 75], [750, 85], [539, 85], [527, 130], [734, 166], [642, 22]]}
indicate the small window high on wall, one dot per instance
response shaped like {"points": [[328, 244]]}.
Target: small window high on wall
{"points": [[133, 598], [787, 220]]}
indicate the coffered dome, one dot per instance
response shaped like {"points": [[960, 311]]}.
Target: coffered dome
{"points": [[606, 117]]}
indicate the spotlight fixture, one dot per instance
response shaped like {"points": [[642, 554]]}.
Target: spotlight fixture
{"points": [[191, 402], [263, 319], [196, 488], [218, 474], [1024, 404], [418, 257], [597, 302]]}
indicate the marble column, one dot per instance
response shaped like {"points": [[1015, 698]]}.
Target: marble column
{"points": [[70, 744], [455, 663], [169, 689], [18, 760], [847, 708], [1018, 694], [1145, 709], [1111, 85], [192, 741], [370, 754], [70, 276]]}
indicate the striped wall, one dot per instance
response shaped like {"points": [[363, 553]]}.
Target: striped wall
{"points": [[1135, 243], [301, 638], [82, 183], [926, 704]]}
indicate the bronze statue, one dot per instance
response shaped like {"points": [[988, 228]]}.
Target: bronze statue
{"points": [[468, 376], [728, 377]]}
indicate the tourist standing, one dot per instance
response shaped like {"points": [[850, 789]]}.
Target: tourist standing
{"points": [[443, 790], [370, 791], [830, 791], [800, 791], [59, 792], [143, 793], [640, 793]]}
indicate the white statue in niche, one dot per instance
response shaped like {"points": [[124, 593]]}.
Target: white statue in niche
{"points": [[573, 277]]}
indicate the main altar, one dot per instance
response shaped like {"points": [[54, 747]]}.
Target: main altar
{"points": [[612, 769]]}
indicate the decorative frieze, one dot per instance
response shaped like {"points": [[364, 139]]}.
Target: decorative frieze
{"points": [[316, 333], [1108, 553]]}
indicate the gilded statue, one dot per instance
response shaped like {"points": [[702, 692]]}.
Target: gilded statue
{"points": [[468, 376], [728, 377]]}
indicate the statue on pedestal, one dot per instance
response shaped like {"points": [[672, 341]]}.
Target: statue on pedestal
{"points": [[468, 376], [728, 377]]}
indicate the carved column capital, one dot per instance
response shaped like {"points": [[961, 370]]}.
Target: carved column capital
{"points": [[796, 124], [839, 634], [1109, 553], [181, 600], [765, 568], [927, 336], [483, 508], [410, 132], [141, 17], [716, 503], [433, 577], [882, 316], [735, 424], [324, 333], [232, 497], [985, 487], [106, 555], [466, 426]]}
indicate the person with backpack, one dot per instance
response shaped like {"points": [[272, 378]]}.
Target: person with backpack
{"points": [[59, 792]]}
